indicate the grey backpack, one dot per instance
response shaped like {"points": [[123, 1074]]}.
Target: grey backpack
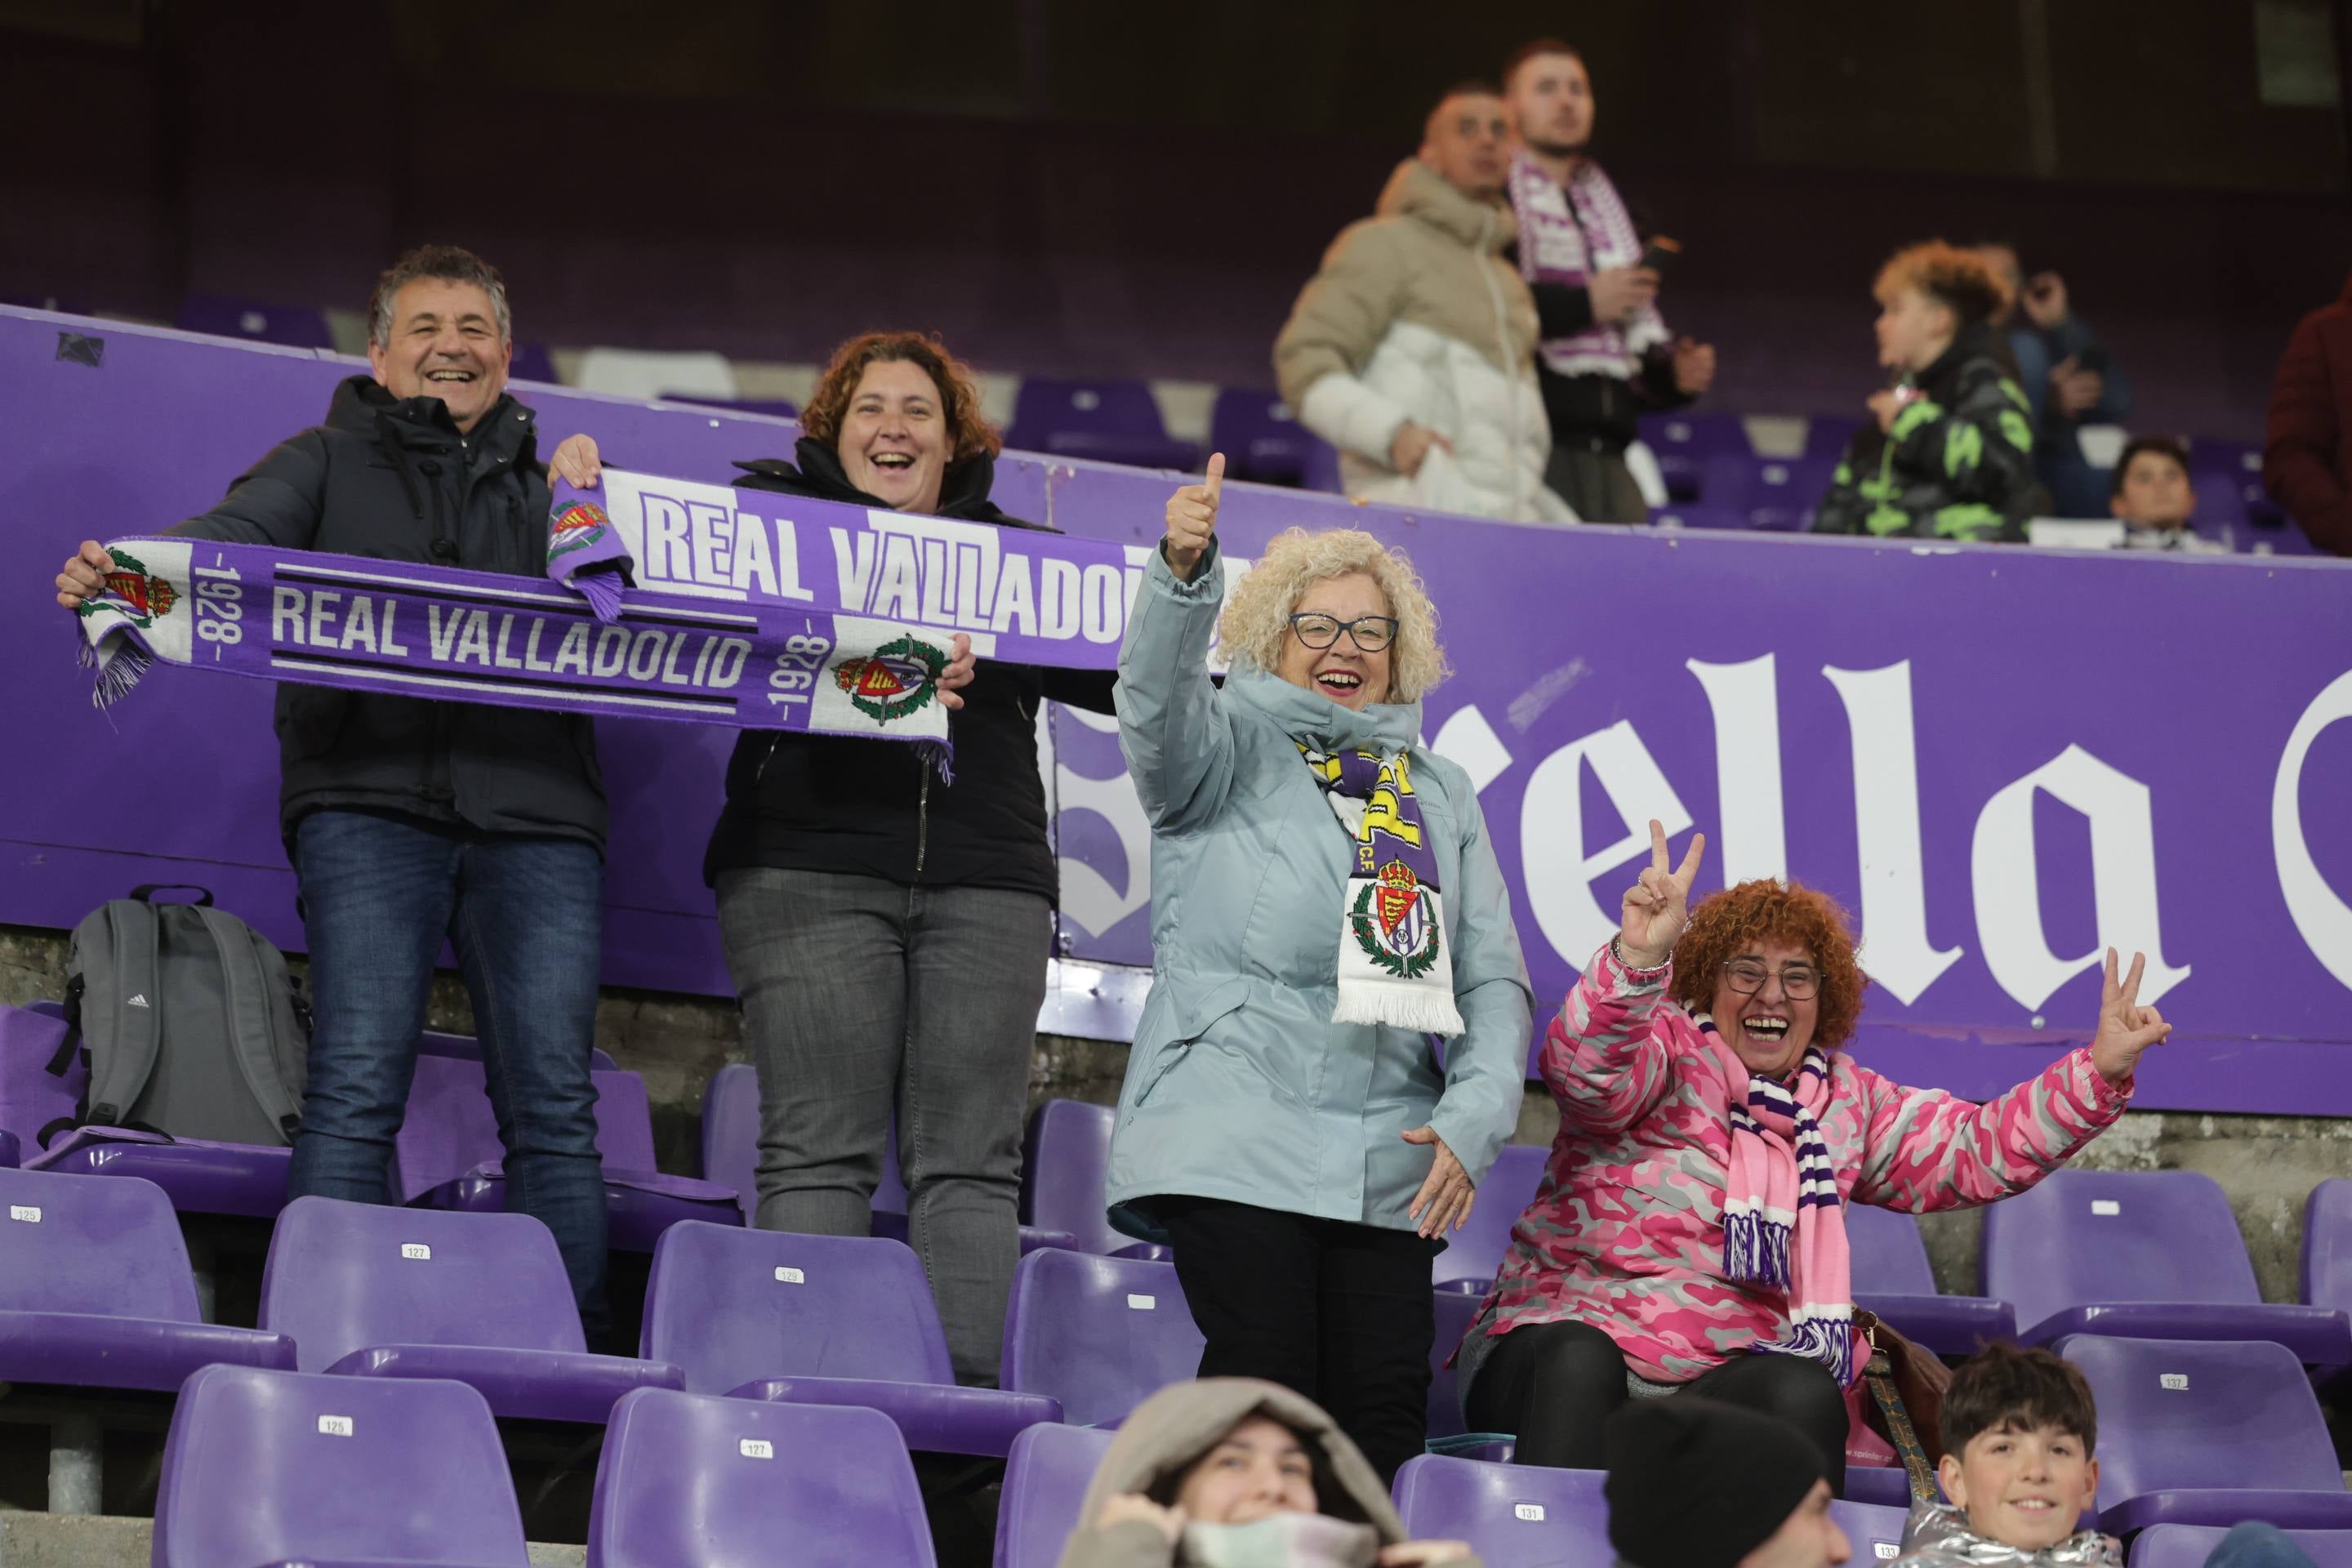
{"points": [[188, 1022]]}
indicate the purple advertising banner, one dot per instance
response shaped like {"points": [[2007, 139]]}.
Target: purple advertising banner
{"points": [[2002, 760]]}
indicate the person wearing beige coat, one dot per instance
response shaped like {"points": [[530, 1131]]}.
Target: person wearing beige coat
{"points": [[1412, 351]]}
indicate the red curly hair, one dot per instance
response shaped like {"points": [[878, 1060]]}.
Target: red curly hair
{"points": [[1726, 924], [969, 432]]}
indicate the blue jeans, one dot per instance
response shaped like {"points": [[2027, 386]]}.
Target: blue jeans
{"points": [[2256, 1545], [379, 893]]}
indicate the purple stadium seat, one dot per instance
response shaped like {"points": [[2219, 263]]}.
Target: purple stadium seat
{"points": [[2144, 1254], [1456, 1311], [254, 322], [2208, 1432], [688, 1481], [731, 1158], [1108, 421], [1062, 1174], [1776, 495], [822, 1319], [1525, 1516], [1474, 1254], [532, 362], [1827, 436], [280, 1467], [1683, 442], [368, 1290], [449, 1156], [1046, 1479], [1892, 1279], [8, 1150], [1099, 1334], [2188, 1545], [1262, 439], [2328, 1245], [96, 1291]]}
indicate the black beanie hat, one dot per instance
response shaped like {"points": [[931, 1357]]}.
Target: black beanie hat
{"points": [[1694, 1483]]}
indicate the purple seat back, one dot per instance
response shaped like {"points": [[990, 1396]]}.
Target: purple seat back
{"points": [[1682, 442], [30, 1096], [1100, 1334], [1046, 1479], [1777, 494], [106, 1246], [1456, 1311], [531, 362], [1047, 408], [2191, 1414], [1513, 1516], [1477, 1249], [1062, 1178], [254, 322], [275, 1466], [345, 1277], [733, 1306], [1827, 436], [450, 1128], [1262, 439], [1889, 1257], [731, 1133], [2189, 1546], [2328, 1245], [2096, 1237], [686, 1479]]}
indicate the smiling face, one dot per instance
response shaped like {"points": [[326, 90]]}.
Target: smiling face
{"points": [[2025, 1488], [1258, 1470], [894, 442], [1343, 672], [443, 344], [1913, 329], [1464, 144], [1550, 100], [1767, 1028]]}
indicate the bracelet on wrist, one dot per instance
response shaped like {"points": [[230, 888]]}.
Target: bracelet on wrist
{"points": [[1617, 951]]}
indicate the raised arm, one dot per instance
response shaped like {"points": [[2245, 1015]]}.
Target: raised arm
{"points": [[276, 503], [1605, 1058], [1925, 1150], [1173, 730]]}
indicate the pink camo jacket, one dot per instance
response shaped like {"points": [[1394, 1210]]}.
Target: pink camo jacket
{"points": [[1626, 1231]]}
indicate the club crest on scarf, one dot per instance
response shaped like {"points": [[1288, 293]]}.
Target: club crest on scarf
{"points": [[576, 527], [133, 592], [898, 678], [1393, 967]]}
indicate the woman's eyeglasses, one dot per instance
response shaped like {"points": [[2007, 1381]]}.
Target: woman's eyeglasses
{"points": [[1370, 633], [1799, 982]]}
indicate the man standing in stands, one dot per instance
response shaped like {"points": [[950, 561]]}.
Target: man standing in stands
{"points": [[2307, 458], [1412, 351], [1606, 356], [2068, 378], [410, 820]]}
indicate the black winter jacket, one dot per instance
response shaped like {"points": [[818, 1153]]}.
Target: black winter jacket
{"points": [[1959, 463], [394, 480], [1595, 413], [876, 808]]}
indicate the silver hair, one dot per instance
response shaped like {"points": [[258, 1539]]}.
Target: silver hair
{"points": [[448, 264]]}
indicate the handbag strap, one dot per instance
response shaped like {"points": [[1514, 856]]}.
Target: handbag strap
{"points": [[1879, 1373]]}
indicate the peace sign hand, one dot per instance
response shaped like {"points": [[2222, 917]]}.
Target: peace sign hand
{"points": [[1657, 907], [1192, 521], [2126, 1028]]}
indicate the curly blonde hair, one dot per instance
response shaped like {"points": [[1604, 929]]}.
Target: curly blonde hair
{"points": [[969, 432], [1724, 925], [1961, 279], [1257, 614]]}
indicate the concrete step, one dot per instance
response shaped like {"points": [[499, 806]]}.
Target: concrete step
{"points": [[107, 1540]]}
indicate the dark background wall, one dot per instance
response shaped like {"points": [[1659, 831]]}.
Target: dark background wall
{"points": [[1139, 189]]}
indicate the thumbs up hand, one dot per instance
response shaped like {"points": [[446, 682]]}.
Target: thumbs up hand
{"points": [[1192, 521]]}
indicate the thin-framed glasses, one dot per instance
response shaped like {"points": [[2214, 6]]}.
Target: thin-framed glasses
{"points": [[1370, 633], [1800, 982]]}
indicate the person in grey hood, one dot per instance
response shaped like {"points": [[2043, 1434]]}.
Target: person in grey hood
{"points": [[1324, 900], [1231, 1472]]}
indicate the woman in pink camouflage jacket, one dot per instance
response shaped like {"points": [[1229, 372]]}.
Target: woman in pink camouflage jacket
{"points": [[1689, 1233]]}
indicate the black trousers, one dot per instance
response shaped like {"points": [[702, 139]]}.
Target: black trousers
{"points": [[1555, 1386], [1340, 1312]]}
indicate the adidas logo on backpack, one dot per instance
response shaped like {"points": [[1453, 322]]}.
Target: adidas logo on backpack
{"points": [[138, 999]]}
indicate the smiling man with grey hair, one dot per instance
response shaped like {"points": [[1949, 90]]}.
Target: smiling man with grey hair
{"points": [[409, 820]]}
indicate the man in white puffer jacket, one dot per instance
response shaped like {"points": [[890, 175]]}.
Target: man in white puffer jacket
{"points": [[1412, 351]]}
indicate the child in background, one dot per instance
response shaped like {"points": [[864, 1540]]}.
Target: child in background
{"points": [[2155, 501], [2019, 1429]]}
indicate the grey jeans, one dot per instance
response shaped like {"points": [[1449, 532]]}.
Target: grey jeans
{"points": [[864, 998], [1597, 484]]}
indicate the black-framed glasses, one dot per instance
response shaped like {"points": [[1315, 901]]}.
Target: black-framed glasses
{"points": [[1800, 982], [1371, 633]]}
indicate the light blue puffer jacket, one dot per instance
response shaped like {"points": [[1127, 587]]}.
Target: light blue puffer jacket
{"points": [[1239, 1086]]}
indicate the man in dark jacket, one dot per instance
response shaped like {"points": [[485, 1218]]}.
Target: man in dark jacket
{"points": [[410, 820], [2307, 457], [2068, 377]]}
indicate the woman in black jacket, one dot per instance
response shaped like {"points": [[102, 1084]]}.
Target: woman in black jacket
{"points": [[887, 932]]}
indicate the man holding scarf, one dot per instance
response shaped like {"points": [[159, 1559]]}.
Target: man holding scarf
{"points": [[411, 820], [1606, 358]]}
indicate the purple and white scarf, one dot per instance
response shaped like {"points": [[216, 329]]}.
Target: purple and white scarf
{"points": [[1394, 966], [1566, 234]]}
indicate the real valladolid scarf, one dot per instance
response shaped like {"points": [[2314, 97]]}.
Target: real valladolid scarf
{"points": [[665, 599], [1568, 233], [1393, 964]]}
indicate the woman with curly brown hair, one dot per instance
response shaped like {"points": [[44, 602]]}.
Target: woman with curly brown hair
{"points": [[888, 932], [1689, 1234]]}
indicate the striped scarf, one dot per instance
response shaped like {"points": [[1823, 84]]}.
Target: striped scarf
{"points": [[1783, 1225], [1568, 233], [1393, 966]]}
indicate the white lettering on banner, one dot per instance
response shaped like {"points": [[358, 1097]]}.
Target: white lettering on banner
{"points": [[1895, 950], [1746, 701], [2123, 878], [2320, 914], [688, 537], [1467, 739], [1551, 833], [1087, 897]]}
